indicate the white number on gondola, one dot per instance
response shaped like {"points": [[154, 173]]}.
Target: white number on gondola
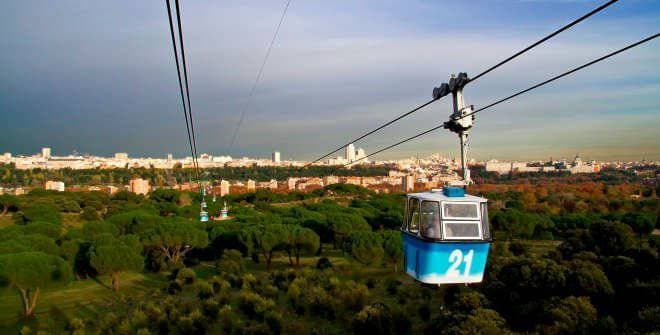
{"points": [[456, 258]]}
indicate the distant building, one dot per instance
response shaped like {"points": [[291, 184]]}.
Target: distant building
{"points": [[291, 183], [52, 185], [360, 153], [169, 157], [349, 154], [329, 180], [499, 167], [276, 157], [251, 185], [224, 188], [112, 189], [121, 155], [407, 183], [45, 153], [139, 186]]}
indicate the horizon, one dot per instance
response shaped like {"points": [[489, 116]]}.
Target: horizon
{"points": [[55, 153]]}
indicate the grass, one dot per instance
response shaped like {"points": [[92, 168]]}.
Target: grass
{"points": [[80, 299], [6, 221]]}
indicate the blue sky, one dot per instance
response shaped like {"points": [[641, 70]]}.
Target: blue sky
{"points": [[98, 77]]}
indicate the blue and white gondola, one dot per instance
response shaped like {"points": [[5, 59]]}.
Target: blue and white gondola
{"points": [[446, 236]]}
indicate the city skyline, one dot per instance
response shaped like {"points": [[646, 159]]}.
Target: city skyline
{"points": [[329, 78], [276, 157]]}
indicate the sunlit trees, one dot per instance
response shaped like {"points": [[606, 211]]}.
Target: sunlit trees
{"points": [[30, 272]]}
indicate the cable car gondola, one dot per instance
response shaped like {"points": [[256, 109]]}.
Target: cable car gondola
{"points": [[445, 232], [203, 212], [446, 236]]}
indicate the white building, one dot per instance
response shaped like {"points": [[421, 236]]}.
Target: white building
{"points": [[251, 185], [408, 183], [360, 153], [139, 186], [53, 185], [45, 153], [349, 155], [276, 157], [224, 188], [121, 155]]}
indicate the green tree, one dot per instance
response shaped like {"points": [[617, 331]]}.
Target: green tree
{"points": [[175, 238], [115, 257], [612, 238], [641, 223], [265, 239], [572, 315], [301, 241], [29, 272], [231, 262], [7, 201], [38, 212], [90, 214], [343, 224], [483, 321], [366, 247], [393, 247]]}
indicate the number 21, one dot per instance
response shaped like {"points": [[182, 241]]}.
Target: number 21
{"points": [[456, 258]]}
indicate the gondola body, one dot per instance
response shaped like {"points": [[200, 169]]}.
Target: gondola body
{"points": [[446, 237]]}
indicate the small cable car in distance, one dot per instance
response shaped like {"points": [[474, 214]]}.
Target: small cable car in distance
{"points": [[446, 235]]}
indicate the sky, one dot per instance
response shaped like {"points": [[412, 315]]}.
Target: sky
{"points": [[99, 77]]}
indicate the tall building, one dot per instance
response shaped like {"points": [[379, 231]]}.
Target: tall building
{"points": [[139, 186], [224, 188], [251, 185], [276, 157], [360, 153], [408, 183], [53, 185], [349, 155], [169, 157], [291, 183], [45, 153]]}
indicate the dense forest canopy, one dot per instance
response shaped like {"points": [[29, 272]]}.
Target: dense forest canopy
{"points": [[12, 177], [568, 258]]}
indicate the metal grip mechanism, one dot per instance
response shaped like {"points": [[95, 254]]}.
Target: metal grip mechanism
{"points": [[462, 119]]}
